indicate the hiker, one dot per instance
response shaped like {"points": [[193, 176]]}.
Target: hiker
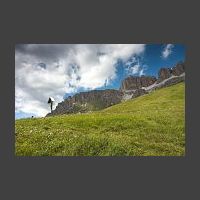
{"points": [[51, 100]]}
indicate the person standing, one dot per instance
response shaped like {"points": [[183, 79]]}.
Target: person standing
{"points": [[50, 101]]}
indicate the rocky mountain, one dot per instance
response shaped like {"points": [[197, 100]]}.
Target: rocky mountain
{"points": [[131, 87], [88, 101], [136, 82], [165, 73]]}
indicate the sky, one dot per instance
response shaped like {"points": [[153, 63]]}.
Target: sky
{"points": [[62, 70]]}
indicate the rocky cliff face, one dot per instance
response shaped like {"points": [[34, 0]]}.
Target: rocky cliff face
{"points": [[165, 73], [165, 83], [178, 69], [88, 101], [136, 82], [131, 87]]}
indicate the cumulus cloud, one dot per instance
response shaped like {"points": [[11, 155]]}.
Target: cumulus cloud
{"points": [[43, 70], [167, 50], [135, 67]]}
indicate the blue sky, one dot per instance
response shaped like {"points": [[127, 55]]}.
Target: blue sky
{"points": [[151, 59], [155, 61], [60, 70]]}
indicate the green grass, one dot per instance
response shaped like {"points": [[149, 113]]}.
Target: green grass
{"points": [[150, 125]]}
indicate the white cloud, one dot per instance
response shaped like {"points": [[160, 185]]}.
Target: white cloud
{"points": [[135, 67], [167, 51], [43, 70], [141, 72]]}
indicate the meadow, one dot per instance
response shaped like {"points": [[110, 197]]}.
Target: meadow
{"points": [[150, 125]]}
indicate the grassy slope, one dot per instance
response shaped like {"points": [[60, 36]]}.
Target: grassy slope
{"points": [[153, 124]]}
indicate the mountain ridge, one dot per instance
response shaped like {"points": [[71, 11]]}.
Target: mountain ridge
{"points": [[131, 87]]}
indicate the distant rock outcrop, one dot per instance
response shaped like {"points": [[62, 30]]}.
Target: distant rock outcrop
{"points": [[178, 69], [167, 82], [136, 82], [131, 87], [165, 73]]}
